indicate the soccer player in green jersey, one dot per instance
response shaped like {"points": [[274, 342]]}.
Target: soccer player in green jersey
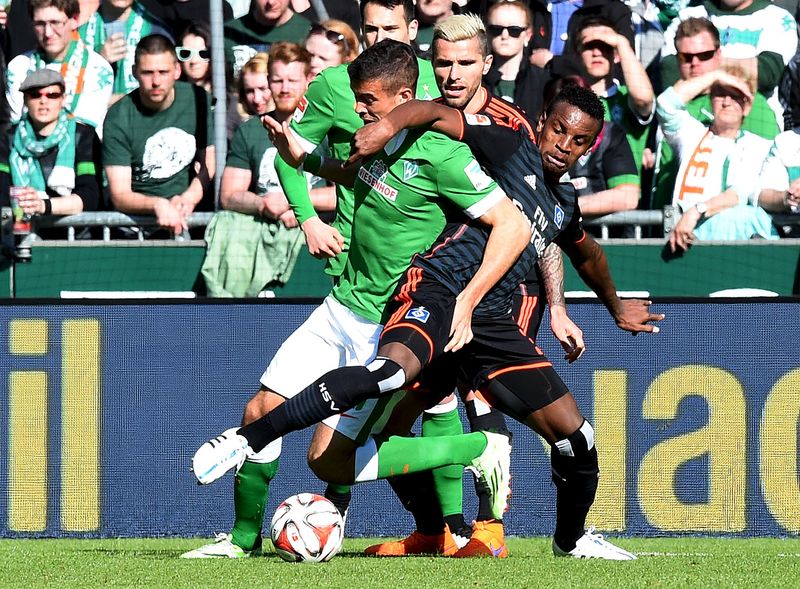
{"points": [[345, 328]]}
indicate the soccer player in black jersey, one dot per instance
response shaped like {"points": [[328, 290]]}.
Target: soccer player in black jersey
{"points": [[443, 293]]}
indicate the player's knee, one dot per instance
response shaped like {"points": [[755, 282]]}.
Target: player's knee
{"points": [[328, 466], [575, 455], [259, 405]]}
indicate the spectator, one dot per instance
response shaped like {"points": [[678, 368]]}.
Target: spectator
{"points": [[556, 26], [158, 150], [430, 12], [344, 10], [719, 165], [511, 76], [255, 97], [331, 43], [605, 178], [253, 244], [194, 53], [755, 34], [698, 50], [630, 105], [55, 158], [17, 35], [790, 93], [125, 23], [88, 77], [90, 24], [267, 22], [779, 181]]}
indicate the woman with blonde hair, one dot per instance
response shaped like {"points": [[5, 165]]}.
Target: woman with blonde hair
{"points": [[255, 97], [331, 43]]}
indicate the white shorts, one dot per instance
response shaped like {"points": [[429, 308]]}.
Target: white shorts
{"points": [[332, 336]]}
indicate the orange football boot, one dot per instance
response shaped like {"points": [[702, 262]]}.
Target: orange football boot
{"points": [[417, 543], [487, 540]]}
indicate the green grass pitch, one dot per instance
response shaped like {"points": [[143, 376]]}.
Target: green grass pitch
{"points": [[663, 562]]}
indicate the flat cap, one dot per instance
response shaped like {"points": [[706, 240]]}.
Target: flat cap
{"points": [[41, 79]]}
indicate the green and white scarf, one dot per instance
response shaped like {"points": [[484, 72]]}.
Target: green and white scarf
{"points": [[92, 32], [27, 149], [73, 70], [136, 27]]}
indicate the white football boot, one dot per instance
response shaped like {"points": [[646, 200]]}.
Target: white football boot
{"points": [[592, 545], [221, 547], [216, 457], [493, 468]]}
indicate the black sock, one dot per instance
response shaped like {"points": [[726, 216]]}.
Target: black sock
{"points": [[339, 499], [576, 485], [417, 494], [457, 525]]}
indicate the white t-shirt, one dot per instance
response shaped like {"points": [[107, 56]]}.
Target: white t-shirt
{"points": [[782, 166]]}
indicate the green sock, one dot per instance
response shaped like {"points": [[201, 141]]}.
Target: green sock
{"points": [[447, 480], [401, 455], [250, 494]]}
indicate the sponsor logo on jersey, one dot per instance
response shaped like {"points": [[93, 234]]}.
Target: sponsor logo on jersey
{"points": [[531, 181], [477, 176], [300, 111], [420, 314], [410, 169], [374, 179], [538, 226], [479, 120], [426, 92], [558, 216]]}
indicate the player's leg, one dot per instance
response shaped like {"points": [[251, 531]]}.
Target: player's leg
{"points": [[535, 395], [313, 343]]}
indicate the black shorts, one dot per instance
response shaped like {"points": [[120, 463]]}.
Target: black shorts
{"points": [[419, 317]]}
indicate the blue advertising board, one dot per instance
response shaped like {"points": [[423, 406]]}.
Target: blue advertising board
{"points": [[102, 407]]}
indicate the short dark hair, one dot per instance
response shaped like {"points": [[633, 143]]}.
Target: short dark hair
{"points": [[594, 20], [408, 7], [153, 45], [392, 62], [582, 98], [72, 8]]}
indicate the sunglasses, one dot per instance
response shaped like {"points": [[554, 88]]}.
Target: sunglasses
{"points": [[702, 56], [331, 36], [513, 31], [34, 95], [187, 54]]}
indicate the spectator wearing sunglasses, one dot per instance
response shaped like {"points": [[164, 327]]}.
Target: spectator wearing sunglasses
{"points": [[87, 76], [511, 76], [52, 159], [697, 47], [754, 34], [194, 55], [331, 43], [268, 22]]}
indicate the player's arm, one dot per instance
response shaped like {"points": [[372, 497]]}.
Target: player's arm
{"points": [[590, 261], [371, 138], [566, 332]]}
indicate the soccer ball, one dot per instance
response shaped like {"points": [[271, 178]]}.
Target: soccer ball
{"points": [[307, 528]]}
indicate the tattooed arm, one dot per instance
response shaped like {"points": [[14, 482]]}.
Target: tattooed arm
{"points": [[566, 332]]}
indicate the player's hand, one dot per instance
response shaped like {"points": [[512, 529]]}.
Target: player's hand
{"points": [[323, 240], [461, 326], [567, 333], [682, 235], [284, 141], [273, 205], [636, 317], [369, 140]]}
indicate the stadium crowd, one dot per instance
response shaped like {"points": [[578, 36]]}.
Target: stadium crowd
{"points": [[108, 107]]}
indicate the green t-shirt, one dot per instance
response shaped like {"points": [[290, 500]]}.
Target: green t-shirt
{"points": [[159, 147], [618, 110], [402, 195], [244, 37], [761, 121], [327, 110]]}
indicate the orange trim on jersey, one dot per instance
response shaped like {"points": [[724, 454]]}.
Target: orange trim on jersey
{"points": [[513, 114], [497, 373], [413, 278], [461, 123], [583, 237], [417, 329]]}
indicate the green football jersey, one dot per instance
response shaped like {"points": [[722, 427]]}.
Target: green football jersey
{"points": [[327, 110], [402, 199], [159, 146]]}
